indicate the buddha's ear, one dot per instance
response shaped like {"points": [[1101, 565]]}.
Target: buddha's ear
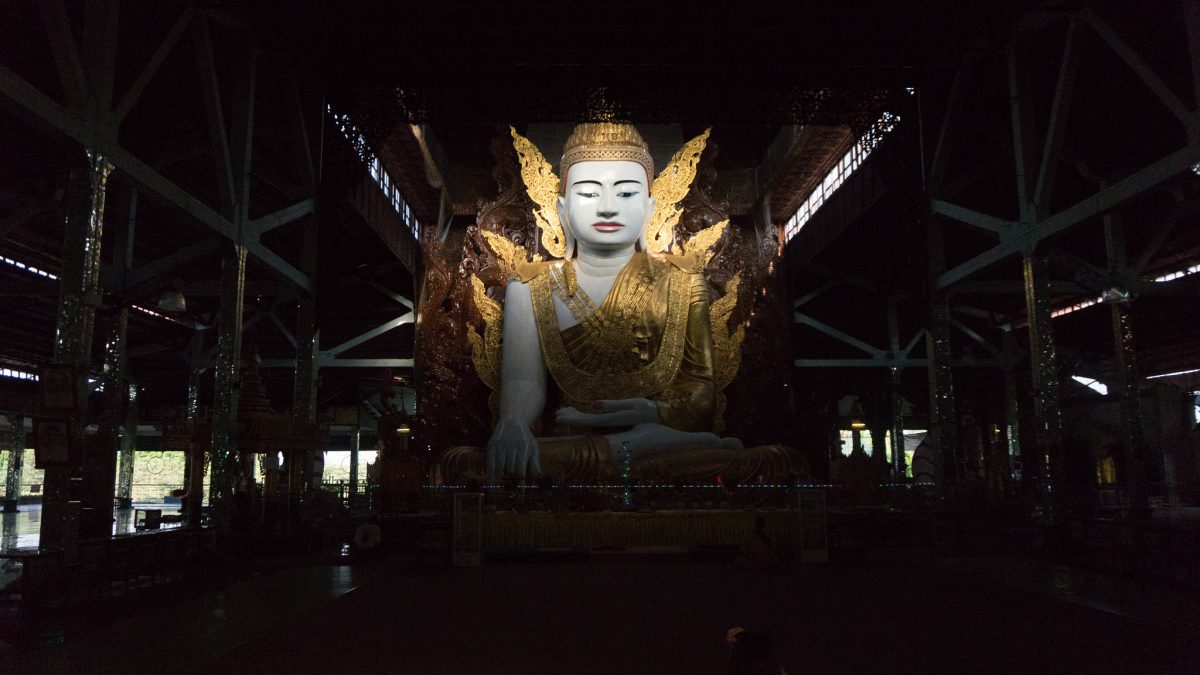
{"points": [[566, 227], [643, 243]]}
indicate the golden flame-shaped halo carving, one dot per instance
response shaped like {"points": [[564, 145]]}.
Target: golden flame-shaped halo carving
{"points": [[508, 254], [670, 187], [485, 347], [541, 184], [703, 241], [727, 346]]}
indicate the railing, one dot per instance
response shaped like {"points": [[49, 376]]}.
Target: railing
{"points": [[341, 488], [155, 493]]}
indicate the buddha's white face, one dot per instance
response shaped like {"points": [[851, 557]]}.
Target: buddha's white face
{"points": [[606, 204]]}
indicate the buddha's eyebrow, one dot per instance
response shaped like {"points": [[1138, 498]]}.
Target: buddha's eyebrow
{"points": [[635, 182], [582, 182]]}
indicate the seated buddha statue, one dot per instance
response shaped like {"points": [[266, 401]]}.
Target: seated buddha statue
{"points": [[617, 336]]}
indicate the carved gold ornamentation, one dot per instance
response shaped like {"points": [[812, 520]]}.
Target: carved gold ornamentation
{"points": [[542, 186], [703, 241], [670, 187], [508, 253], [727, 347], [581, 386], [485, 348]]}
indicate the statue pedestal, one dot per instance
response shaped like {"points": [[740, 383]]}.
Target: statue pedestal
{"points": [[508, 531]]}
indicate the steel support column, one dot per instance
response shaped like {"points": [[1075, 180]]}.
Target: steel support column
{"points": [[100, 451], [304, 405], [1012, 408], [355, 441], [16, 456], [195, 467], [1044, 363], [1133, 445], [943, 419], [896, 400], [115, 366], [78, 292], [128, 448], [226, 376]]}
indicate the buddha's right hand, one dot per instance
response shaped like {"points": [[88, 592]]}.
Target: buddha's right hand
{"points": [[512, 449]]}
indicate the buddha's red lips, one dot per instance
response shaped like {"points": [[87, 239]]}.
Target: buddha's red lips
{"points": [[608, 227]]}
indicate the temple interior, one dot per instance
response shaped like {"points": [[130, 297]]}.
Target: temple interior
{"points": [[899, 370]]}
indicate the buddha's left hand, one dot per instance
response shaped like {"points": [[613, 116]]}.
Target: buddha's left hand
{"points": [[622, 412]]}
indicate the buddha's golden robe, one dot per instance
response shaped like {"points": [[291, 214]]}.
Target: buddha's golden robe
{"points": [[650, 338]]}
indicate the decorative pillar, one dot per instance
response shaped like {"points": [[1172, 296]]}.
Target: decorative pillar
{"points": [[194, 468], [355, 440], [1133, 478], [943, 419], [100, 453], [300, 463], [16, 456], [1044, 362], [128, 448], [226, 375], [896, 399], [115, 363], [79, 283]]}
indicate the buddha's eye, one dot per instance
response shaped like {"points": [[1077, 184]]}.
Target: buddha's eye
{"points": [[587, 195], [626, 194]]}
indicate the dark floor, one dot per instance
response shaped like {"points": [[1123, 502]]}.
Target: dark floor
{"points": [[905, 614]]}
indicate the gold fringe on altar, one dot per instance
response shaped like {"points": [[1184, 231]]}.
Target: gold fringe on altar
{"points": [[505, 530]]}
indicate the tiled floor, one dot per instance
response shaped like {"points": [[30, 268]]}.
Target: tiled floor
{"points": [[900, 613]]}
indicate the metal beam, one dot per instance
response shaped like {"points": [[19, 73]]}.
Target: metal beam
{"points": [[1191, 19], [100, 28], [146, 350], [152, 65], [895, 363], [324, 360], [976, 337], [215, 112], [958, 97], [815, 293], [374, 332], [282, 328], [1140, 67], [390, 293], [837, 334], [168, 263], [22, 216], [64, 50], [984, 287], [840, 276], [291, 95], [971, 217], [912, 343], [1080, 272], [1108, 198], [1059, 111], [33, 101], [282, 217], [1020, 103]]}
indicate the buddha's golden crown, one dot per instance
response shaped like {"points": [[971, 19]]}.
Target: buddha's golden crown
{"points": [[606, 141]]}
